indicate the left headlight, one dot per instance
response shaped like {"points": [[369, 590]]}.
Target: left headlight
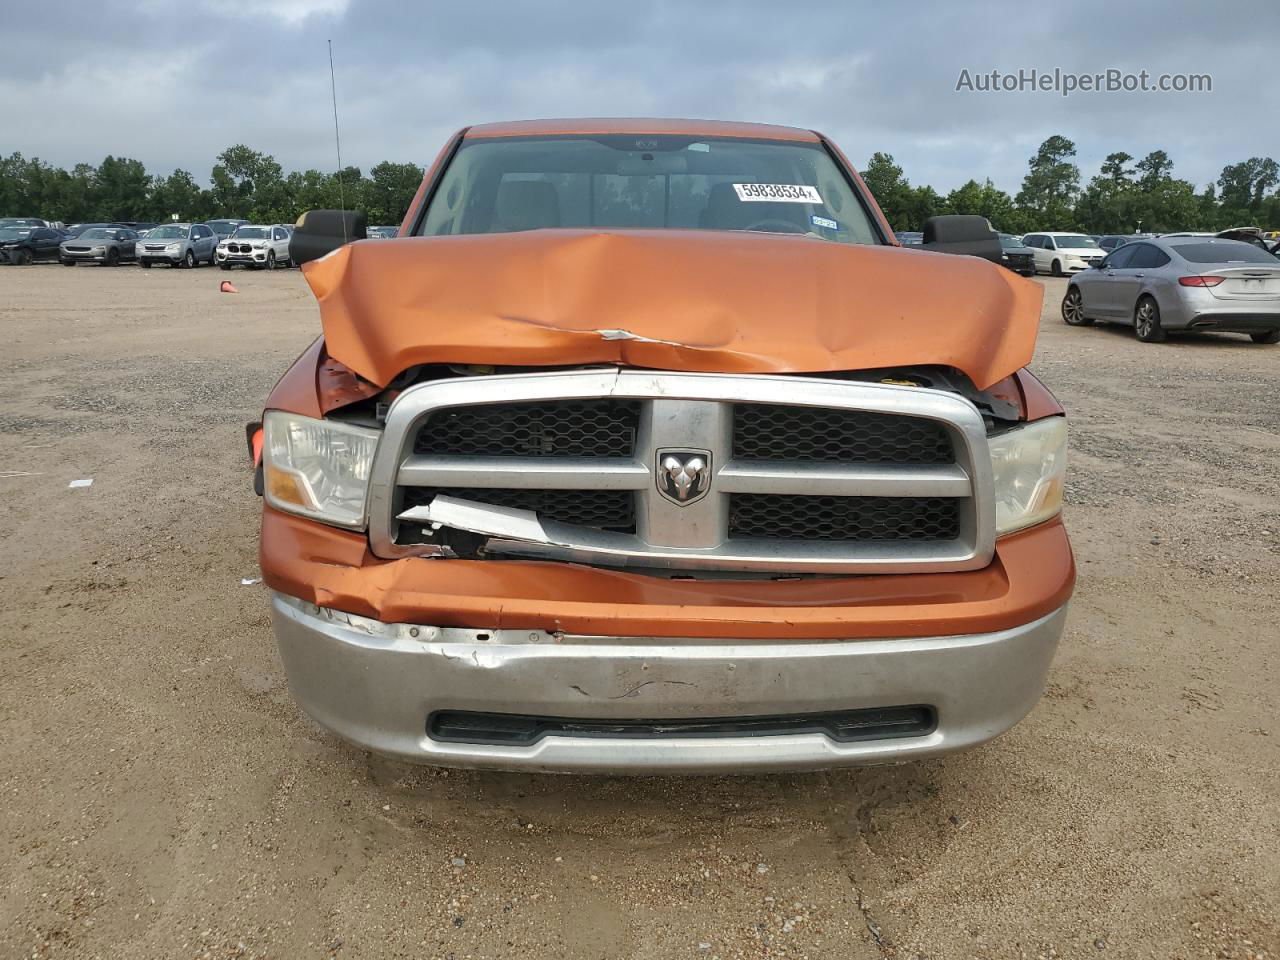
{"points": [[318, 468], [1029, 465]]}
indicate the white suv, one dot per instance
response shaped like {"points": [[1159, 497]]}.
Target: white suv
{"points": [[255, 245], [1063, 253]]}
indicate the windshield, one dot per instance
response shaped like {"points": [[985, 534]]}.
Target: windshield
{"points": [[252, 233], [97, 233], [1010, 243], [223, 227], [14, 233], [646, 182], [1224, 251], [168, 233], [1069, 241]]}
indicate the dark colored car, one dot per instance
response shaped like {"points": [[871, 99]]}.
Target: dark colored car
{"points": [[910, 238], [22, 222], [1114, 241], [22, 245], [76, 229], [224, 228], [1016, 256], [107, 245]]}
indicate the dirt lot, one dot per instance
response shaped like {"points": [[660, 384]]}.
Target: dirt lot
{"points": [[163, 797]]}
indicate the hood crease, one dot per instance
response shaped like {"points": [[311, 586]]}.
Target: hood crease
{"points": [[684, 300]]}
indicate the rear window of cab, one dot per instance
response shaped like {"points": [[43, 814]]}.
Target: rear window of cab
{"points": [[504, 185]]}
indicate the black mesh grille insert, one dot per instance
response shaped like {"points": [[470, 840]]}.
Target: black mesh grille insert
{"points": [[604, 509], [594, 427], [766, 516], [764, 431]]}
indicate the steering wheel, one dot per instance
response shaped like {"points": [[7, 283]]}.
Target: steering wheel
{"points": [[777, 225]]}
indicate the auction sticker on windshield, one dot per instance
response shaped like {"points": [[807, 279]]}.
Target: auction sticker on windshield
{"points": [[778, 192]]}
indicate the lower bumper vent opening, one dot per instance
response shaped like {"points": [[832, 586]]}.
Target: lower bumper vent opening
{"points": [[849, 726]]}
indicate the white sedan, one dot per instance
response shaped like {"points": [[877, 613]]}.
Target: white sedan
{"points": [[255, 246]]}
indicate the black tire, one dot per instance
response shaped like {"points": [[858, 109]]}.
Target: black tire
{"points": [[1146, 321], [145, 264], [22, 258], [213, 256], [68, 263], [225, 266], [1073, 309], [1272, 337], [189, 259], [271, 259], [1056, 269], [113, 257]]}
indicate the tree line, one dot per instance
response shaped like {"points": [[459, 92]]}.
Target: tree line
{"points": [[1126, 196], [243, 184]]}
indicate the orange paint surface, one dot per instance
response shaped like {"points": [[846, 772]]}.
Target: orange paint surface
{"points": [[702, 301], [1032, 575]]}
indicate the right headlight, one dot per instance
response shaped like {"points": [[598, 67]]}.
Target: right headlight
{"points": [[317, 468], [1029, 465]]}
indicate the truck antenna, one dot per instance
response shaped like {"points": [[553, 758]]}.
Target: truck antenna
{"points": [[337, 140]]}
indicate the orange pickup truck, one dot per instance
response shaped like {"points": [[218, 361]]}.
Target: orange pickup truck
{"points": [[644, 447]]}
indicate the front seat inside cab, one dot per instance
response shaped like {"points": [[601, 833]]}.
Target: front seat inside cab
{"points": [[525, 205]]}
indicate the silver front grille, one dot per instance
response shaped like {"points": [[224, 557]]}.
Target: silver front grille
{"points": [[805, 475]]}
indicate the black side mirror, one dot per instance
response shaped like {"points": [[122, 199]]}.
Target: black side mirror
{"points": [[968, 235], [319, 232]]}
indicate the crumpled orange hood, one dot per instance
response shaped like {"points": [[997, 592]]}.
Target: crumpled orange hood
{"points": [[689, 300]]}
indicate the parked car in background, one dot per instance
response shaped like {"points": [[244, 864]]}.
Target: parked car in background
{"points": [[1017, 256], [1253, 235], [23, 244], [75, 229], [1113, 241], [383, 233], [224, 228], [255, 246], [1062, 253], [177, 244], [909, 238], [106, 245], [23, 222], [1181, 283]]}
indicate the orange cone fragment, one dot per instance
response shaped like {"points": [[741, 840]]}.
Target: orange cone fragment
{"points": [[227, 287]]}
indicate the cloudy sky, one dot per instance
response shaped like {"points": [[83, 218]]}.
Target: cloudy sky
{"points": [[172, 83]]}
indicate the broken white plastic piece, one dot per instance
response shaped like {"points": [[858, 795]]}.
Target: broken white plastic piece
{"points": [[480, 518], [87, 482]]}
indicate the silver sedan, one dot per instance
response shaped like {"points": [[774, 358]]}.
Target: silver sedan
{"points": [[1181, 283]]}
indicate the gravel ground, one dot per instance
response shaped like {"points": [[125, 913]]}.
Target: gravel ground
{"points": [[163, 797]]}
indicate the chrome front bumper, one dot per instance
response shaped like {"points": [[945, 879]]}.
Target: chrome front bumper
{"points": [[375, 685]]}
